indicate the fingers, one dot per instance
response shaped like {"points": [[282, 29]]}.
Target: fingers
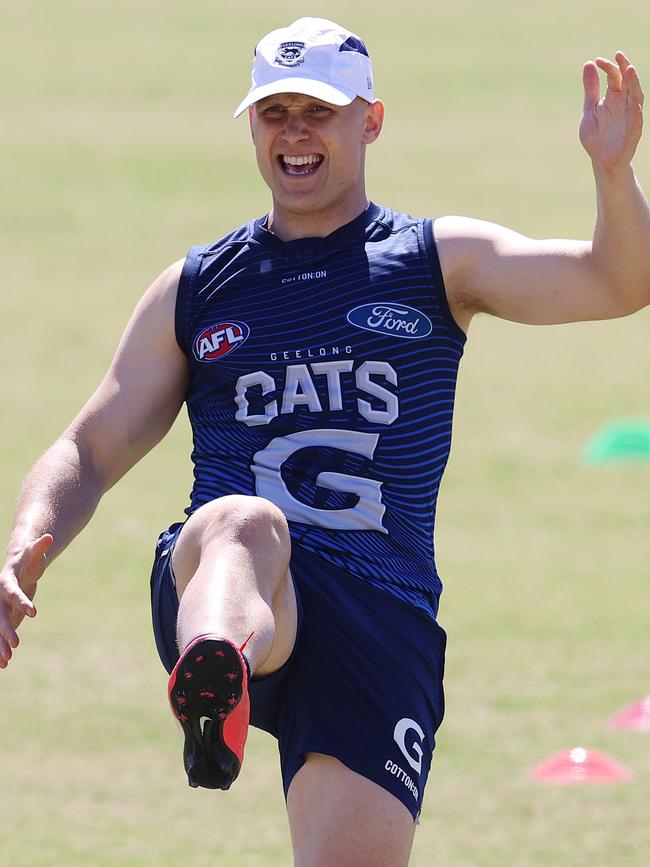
{"points": [[591, 84], [5, 653], [630, 77], [44, 543], [8, 635], [622, 78], [621, 74], [15, 603], [622, 60], [19, 601], [613, 71], [38, 554], [635, 91], [32, 565]]}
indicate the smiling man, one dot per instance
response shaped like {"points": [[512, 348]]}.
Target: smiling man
{"points": [[317, 350]]}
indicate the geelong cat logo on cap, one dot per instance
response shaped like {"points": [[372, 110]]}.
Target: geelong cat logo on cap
{"points": [[214, 342], [290, 54]]}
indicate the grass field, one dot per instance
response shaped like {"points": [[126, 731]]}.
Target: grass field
{"points": [[117, 153]]}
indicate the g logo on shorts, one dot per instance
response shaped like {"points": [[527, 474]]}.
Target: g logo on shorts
{"points": [[403, 726]]}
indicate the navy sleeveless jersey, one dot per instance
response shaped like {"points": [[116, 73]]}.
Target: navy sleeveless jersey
{"points": [[323, 373]]}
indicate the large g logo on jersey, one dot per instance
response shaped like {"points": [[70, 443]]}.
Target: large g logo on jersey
{"points": [[365, 515]]}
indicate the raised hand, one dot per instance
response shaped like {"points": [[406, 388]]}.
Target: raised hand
{"points": [[18, 579], [611, 127]]}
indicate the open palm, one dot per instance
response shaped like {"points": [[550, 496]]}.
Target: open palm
{"points": [[611, 126]]}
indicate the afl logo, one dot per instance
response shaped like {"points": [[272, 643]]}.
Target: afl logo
{"points": [[396, 320], [218, 340]]}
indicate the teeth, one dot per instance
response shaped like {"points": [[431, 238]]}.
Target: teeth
{"points": [[301, 161]]}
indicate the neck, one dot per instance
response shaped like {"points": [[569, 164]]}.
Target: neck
{"points": [[289, 225]]}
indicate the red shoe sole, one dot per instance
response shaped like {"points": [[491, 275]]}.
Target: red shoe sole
{"points": [[208, 695]]}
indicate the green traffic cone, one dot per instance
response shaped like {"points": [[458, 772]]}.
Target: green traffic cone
{"points": [[623, 440]]}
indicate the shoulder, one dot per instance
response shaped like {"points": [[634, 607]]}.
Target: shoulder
{"points": [[154, 314], [167, 282], [463, 243], [458, 238], [162, 293]]}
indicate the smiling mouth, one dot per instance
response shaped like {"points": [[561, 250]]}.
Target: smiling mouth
{"points": [[300, 166]]}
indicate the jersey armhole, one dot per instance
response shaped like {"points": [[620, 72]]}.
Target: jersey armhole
{"points": [[188, 274], [438, 280]]}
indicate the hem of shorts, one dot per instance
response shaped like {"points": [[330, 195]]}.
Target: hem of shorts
{"points": [[429, 608], [263, 678], [324, 750]]}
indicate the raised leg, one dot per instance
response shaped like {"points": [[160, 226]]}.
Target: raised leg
{"points": [[236, 595], [231, 565]]}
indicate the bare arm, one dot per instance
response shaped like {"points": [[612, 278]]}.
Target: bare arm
{"points": [[494, 270], [133, 408]]}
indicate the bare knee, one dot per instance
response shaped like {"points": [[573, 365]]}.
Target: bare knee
{"points": [[246, 521], [235, 519], [241, 519]]}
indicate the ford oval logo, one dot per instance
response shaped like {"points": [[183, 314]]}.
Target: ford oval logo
{"points": [[396, 320]]}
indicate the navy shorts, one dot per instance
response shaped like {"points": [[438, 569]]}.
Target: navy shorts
{"points": [[363, 684]]}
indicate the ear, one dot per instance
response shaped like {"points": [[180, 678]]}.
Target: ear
{"points": [[251, 112], [374, 121]]}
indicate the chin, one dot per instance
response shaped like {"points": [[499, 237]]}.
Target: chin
{"points": [[300, 203]]}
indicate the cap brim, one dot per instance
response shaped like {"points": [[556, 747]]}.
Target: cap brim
{"points": [[306, 86]]}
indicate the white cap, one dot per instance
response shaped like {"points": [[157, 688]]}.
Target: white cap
{"points": [[311, 56]]}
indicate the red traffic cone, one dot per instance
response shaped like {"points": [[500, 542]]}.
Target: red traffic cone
{"points": [[635, 716], [581, 766]]}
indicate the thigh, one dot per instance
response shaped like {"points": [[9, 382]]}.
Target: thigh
{"points": [[339, 817], [232, 556], [265, 691], [365, 684]]}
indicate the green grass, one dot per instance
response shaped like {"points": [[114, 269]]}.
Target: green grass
{"points": [[118, 152]]}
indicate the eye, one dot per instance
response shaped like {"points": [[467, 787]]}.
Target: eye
{"points": [[320, 109], [272, 111]]}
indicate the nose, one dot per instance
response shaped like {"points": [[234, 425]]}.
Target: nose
{"points": [[295, 128]]}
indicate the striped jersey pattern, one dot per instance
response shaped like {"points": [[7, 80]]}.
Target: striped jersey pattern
{"points": [[323, 374]]}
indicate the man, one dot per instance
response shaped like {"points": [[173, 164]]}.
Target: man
{"points": [[317, 351]]}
